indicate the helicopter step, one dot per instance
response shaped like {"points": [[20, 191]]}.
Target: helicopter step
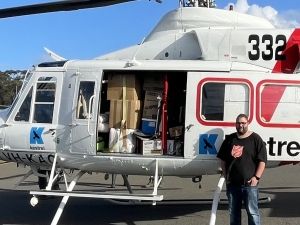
{"points": [[119, 196]]}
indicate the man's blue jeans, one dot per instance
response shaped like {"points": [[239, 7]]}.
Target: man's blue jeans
{"points": [[248, 194]]}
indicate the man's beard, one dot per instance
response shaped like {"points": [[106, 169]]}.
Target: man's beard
{"points": [[242, 131]]}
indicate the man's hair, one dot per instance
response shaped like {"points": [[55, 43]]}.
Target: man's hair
{"points": [[242, 116]]}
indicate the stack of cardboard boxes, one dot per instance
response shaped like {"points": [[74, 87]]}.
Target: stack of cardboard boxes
{"points": [[153, 94], [152, 88], [124, 93]]}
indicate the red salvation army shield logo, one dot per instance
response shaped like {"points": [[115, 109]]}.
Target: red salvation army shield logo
{"points": [[237, 151]]}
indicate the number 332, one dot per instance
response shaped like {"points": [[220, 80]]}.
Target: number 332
{"points": [[268, 41]]}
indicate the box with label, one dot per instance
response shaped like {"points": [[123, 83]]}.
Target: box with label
{"points": [[132, 114], [152, 95], [151, 104], [123, 84], [149, 147]]}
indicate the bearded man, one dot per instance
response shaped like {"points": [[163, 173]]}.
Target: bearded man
{"points": [[243, 158]]}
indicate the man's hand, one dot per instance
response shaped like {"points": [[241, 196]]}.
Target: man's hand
{"points": [[253, 181]]}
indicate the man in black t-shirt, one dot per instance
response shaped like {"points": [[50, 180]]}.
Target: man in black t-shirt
{"points": [[243, 158]]}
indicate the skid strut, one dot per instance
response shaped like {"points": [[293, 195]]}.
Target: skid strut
{"points": [[157, 181], [215, 203], [65, 199]]}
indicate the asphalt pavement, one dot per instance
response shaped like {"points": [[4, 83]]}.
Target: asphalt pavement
{"points": [[184, 202]]}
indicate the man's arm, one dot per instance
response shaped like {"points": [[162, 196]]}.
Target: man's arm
{"points": [[259, 171]]}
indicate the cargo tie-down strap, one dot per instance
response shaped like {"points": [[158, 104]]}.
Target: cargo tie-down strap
{"points": [[124, 114]]}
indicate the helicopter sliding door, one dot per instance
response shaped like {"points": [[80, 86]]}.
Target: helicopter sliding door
{"points": [[214, 101], [85, 103], [32, 123]]}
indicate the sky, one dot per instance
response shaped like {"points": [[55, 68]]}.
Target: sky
{"points": [[88, 33]]}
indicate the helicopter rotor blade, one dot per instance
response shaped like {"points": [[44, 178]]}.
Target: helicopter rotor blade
{"points": [[67, 5]]}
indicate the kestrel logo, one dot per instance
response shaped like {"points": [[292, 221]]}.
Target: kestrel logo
{"points": [[207, 144], [36, 135]]}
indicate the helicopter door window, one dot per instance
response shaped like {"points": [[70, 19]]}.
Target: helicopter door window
{"points": [[44, 100], [86, 91], [213, 101], [223, 101], [24, 111]]}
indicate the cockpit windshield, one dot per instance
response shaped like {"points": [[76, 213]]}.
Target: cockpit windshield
{"points": [[26, 79]]}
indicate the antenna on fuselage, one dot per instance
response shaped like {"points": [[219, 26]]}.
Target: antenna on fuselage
{"points": [[198, 3], [133, 61]]}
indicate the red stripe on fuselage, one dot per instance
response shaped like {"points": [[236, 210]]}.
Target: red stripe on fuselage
{"points": [[272, 93]]}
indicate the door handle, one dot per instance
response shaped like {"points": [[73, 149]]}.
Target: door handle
{"points": [[52, 131], [187, 128], [90, 114]]}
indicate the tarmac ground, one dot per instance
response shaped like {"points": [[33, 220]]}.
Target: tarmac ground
{"points": [[184, 202]]}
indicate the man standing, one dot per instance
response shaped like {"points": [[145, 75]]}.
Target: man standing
{"points": [[243, 158]]}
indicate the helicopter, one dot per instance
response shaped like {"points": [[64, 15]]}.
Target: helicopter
{"points": [[160, 108]]}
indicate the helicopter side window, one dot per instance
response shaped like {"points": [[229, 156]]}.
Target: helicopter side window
{"points": [[44, 100], [213, 101], [86, 91], [24, 111], [223, 101], [280, 103]]}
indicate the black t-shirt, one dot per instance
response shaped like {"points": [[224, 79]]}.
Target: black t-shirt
{"points": [[252, 150]]}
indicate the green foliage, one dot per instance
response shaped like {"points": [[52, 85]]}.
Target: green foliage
{"points": [[10, 83]]}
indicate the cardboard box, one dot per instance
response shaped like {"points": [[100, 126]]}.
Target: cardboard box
{"points": [[133, 114], [154, 147], [151, 104], [152, 83], [149, 147], [150, 109], [175, 131], [127, 84], [153, 95]]}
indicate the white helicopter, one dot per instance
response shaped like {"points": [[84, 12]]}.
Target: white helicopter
{"points": [[160, 108]]}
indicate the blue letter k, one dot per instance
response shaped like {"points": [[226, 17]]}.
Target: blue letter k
{"points": [[36, 135]]}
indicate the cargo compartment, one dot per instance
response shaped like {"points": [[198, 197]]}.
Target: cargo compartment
{"points": [[133, 102]]}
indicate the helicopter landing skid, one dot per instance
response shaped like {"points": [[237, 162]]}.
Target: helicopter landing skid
{"points": [[154, 197]]}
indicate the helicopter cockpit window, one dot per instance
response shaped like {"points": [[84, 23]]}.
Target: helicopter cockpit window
{"points": [[223, 101], [24, 111], [25, 83], [85, 92], [44, 100]]}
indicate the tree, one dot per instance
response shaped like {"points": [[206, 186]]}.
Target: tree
{"points": [[10, 83]]}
